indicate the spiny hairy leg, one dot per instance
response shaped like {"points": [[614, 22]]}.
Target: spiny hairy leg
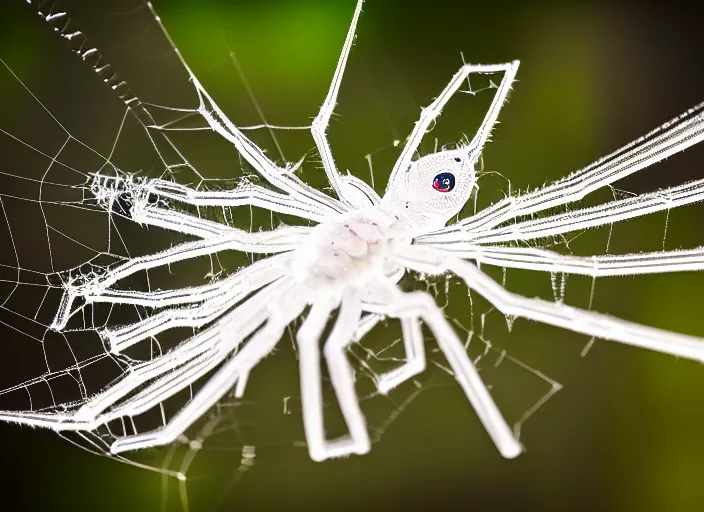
{"points": [[421, 305], [415, 364], [672, 137], [278, 177], [142, 198], [342, 378], [279, 240], [212, 301], [433, 261], [595, 266], [166, 374], [430, 114], [238, 366]]}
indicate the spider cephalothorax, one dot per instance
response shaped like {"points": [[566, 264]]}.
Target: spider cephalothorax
{"points": [[351, 261], [432, 189]]}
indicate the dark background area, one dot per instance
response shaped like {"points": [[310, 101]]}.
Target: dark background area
{"points": [[624, 433]]}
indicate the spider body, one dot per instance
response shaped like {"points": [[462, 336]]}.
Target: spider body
{"points": [[350, 262], [350, 250]]}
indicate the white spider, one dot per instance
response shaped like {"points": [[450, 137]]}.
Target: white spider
{"points": [[352, 260]]}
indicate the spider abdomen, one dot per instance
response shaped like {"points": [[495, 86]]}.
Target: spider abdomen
{"points": [[349, 249]]}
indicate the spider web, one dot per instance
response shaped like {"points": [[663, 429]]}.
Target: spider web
{"points": [[75, 149]]}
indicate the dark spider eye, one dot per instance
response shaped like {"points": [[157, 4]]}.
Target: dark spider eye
{"points": [[444, 182]]}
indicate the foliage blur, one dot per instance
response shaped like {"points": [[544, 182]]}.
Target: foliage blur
{"points": [[623, 434]]}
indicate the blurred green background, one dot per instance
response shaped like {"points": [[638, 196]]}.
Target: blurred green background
{"points": [[623, 434]]}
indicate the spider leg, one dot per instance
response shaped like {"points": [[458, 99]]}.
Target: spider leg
{"points": [[278, 240], [375, 305], [173, 371], [350, 189], [358, 193], [220, 339], [421, 305], [85, 418], [264, 341], [123, 337], [162, 388], [133, 199], [249, 317], [342, 378], [261, 343], [179, 222], [341, 375], [415, 364], [200, 347], [207, 396], [223, 295], [432, 261], [216, 119], [607, 213], [433, 111], [672, 137], [366, 324], [595, 266], [219, 122], [308, 338], [193, 294], [142, 193]]}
